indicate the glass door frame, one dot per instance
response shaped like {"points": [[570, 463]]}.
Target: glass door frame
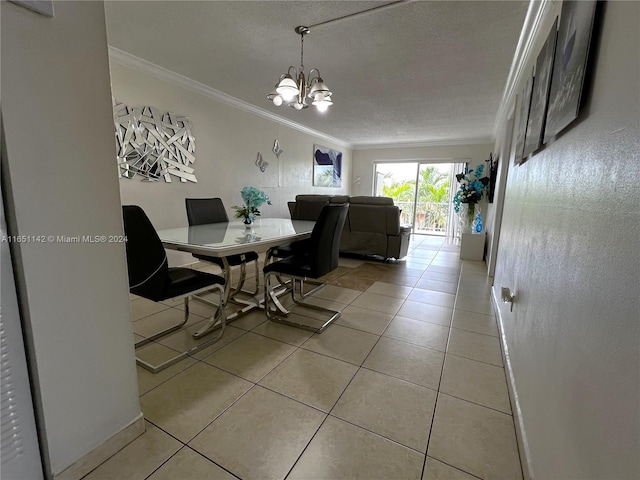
{"points": [[377, 190]]}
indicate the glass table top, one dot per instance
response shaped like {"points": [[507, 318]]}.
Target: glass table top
{"points": [[222, 239]]}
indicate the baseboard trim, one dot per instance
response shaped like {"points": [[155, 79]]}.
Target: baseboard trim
{"points": [[104, 451], [521, 435]]}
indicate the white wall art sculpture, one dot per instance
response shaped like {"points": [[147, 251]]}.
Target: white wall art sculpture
{"points": [[153, 144]]}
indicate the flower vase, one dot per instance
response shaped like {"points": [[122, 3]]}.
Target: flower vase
{"points": [[248, 223], [476, 224], [465, 217]]}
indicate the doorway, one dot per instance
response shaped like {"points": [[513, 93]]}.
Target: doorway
{"points": [[421, 190]]}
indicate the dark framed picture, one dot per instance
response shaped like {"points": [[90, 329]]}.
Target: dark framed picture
{"points": [[327, 167], [493, 173], [525, 104], [569, 65], [540, 97]]}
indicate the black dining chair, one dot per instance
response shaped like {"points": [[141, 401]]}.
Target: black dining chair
{"points": [[201, 211], [303, 210], [312, 259], [151, 277]]}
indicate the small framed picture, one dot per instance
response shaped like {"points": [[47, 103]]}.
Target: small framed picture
{"points": [[327, 167]]}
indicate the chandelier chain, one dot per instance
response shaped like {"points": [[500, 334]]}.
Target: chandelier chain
{"points": [[302, 52]]}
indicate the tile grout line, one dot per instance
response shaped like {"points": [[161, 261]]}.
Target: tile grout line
{"points": [[435, 404], [452, 466], [462, 399], [212, 461]]}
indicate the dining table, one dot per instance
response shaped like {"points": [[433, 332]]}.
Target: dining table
{"points": [[231, 238]]}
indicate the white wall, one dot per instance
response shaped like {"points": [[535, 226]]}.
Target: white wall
{"points": [[569, 249], [227, 142], [60, 180]]}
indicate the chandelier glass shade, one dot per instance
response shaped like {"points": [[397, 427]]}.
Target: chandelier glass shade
{"points": [[297, 90]]}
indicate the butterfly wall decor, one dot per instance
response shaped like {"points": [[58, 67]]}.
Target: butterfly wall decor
{"points": [[276, 149], [261, 163]]}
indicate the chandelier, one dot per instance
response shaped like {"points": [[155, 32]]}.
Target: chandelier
{"points": [[293, 88]]}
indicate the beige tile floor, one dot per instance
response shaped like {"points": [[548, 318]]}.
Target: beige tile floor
{"points": [[408, 384]]}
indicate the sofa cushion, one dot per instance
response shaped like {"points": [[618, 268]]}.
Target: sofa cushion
{"points": [[340, 199], [367, 218]]}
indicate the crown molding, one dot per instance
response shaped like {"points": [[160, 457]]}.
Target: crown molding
{"points": [[144, 66], [435, 143], [536, 15]]}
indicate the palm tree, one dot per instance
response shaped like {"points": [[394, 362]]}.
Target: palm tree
{"points": [[433, 191], [438, 208], [430, 177], [400, 192]]}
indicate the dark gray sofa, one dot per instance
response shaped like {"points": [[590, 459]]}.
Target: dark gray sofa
{"points": [[372, 226]]}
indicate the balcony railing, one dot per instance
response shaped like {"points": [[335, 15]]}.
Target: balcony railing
{"points": [[431, 216]]}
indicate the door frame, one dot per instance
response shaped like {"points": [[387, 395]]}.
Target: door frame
{"points": [[418, 162]]}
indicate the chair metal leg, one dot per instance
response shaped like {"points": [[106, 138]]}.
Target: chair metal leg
{"points": [[269, 258], [270, 295], [218, 318], [167, 331], [318, 285], [279, 314]]}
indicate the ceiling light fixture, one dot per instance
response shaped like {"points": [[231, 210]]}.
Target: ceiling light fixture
{"points": [[294, 89]]}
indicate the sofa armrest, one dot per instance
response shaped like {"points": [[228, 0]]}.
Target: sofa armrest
{"points": [[398, 245], [392, 216]]}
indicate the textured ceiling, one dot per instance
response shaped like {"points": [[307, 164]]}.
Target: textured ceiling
{"points": [[423, 71]]}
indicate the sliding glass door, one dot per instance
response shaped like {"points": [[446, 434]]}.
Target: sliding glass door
{"points": [[421, 190]]}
